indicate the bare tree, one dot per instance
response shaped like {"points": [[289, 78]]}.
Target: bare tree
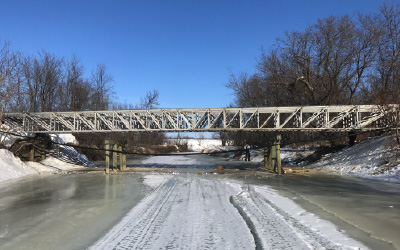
{"points": [[326, 64], [43, 76], [102, 88], [150, 101], [75, 92], [384, 82], [10, 76], [249, 90], [122, 105]]}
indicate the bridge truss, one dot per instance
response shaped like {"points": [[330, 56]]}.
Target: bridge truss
{"points": [[307, 118]]}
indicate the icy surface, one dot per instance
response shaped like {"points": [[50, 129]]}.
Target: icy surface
{"points": [[197, 212], [175, 160], [184, 213]]}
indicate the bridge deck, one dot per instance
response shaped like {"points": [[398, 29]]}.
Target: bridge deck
{"points": [[307, 118]]}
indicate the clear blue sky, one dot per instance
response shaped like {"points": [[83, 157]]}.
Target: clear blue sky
{"points": [[185, 49]]}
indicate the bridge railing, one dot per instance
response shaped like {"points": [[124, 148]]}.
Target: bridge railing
{"points": [[307, 118]]}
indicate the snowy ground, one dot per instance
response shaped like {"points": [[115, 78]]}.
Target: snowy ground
{"points": [[374, 158], [12, 167], [198, 212]]}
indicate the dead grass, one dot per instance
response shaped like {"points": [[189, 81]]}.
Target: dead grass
{"points": [[220, 168]]}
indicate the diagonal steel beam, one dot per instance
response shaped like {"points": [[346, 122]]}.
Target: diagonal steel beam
{"points": [[170, 119], [63, 121], [214, 122], [202, 119], [290, 117], [339, 117], [266, 121], [155, 120], [231, 120], [39, 122], [105, 121], [140, 120], [87, 122], [251, 117], [123, 120], [313, 117]]}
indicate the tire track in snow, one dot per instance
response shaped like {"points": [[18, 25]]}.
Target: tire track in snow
{"points": [[187, 212], [273, 228]]}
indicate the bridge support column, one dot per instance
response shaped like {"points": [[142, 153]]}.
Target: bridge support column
{"points": [[107, 147], [278, 154], [272, 156], [267, 158], [123, 162], [122, 159], [113, 145], [115, 157]]}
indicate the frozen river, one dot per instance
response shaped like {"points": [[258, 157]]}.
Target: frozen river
{"points": [[185, 208]]}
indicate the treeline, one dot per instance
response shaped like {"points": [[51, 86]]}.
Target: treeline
{"points": [[46, 82], [338, 60]]}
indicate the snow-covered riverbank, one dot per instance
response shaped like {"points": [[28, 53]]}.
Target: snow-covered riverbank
{"points": [[373, 158], [12, 167]]}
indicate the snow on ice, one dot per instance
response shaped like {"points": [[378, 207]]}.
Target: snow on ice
{"points": [[198, 212], [154, 181], [172, 160]]}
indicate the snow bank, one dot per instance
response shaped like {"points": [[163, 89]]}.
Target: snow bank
{"points": [[12, 167], [8, 139], [64, 138], [67, 153], [371, 158], [198, 145]]}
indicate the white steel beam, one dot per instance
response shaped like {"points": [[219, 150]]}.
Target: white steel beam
{"points": [[306, 118]]}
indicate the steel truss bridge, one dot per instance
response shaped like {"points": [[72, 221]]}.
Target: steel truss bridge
{"points": [[307, 118]]}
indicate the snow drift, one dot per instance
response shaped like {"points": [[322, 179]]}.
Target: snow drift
{"points": [[372, 158]]}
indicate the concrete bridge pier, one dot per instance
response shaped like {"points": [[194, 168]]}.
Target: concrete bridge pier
{"points": [[117, 151], [122, 159], [272, 156]]}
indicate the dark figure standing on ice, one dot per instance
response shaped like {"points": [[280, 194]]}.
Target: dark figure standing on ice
{"points": [[247, 150]]}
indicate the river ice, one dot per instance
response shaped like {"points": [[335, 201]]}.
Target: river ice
{"points": [[190, 211]]}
